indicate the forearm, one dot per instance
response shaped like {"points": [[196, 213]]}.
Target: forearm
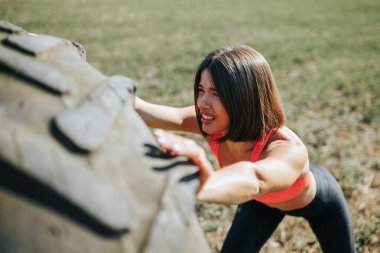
{"points": [[166, 117], [233, 184], [157, 116]]}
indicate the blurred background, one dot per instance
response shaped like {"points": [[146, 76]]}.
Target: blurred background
{"points": [[325, 56]]}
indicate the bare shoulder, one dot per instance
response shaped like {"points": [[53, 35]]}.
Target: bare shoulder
{"points": [[284, 136], [284, 144]]}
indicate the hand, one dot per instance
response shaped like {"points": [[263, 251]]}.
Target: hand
{"points": [[181, 146]]}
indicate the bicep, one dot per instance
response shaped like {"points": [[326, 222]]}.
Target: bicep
{"points": [[281, 168]]}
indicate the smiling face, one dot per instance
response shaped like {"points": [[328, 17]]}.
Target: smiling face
{"points": [[214, 117]]}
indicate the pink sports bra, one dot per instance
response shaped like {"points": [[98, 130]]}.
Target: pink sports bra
{"points": [[279, 196]]}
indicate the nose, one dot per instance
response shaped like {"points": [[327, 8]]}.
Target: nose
{"points": [[203, 101]]}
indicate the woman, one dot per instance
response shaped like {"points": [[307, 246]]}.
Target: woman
{"points": [[264, 165]]}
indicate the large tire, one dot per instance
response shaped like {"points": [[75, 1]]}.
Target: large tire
{"points": [[79, 169]]}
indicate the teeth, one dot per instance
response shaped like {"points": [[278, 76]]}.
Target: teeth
{"points": [[207, 117]]}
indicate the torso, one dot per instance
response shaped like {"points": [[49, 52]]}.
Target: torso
{"points": [[301, 200], [230, 153]]}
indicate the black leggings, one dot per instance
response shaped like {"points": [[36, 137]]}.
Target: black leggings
{"points": [[327, 214]]}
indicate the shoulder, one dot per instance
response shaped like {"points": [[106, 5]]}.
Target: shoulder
{"points": [[284, 136], [285, 143]]}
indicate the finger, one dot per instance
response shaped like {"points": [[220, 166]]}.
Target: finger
{"points": [[175, 145], [171, 145], [167, 141], [158, 132]]}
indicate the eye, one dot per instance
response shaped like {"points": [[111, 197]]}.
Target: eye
{"points": [[215, 94], [200, 89]]}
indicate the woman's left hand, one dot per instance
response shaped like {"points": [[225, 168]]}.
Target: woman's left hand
{"points": [[181, 146]]}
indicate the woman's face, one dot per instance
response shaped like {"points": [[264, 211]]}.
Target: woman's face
{"points": [[214, 117]]}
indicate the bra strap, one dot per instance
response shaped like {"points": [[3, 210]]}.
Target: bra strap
{"points": [[260, 144]]}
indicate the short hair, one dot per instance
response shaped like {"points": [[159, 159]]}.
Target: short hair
{"points": [[246, 87]]}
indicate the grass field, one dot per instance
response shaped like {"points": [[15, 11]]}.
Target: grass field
{"points": [[325, 56]]}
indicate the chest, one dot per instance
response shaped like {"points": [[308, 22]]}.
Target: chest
{"points": [[229, 156]]}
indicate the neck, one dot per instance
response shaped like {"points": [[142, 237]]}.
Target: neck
{"points": [[240, 147]]}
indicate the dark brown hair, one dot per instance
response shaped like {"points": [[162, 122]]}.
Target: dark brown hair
{"points": [[247, 89]]}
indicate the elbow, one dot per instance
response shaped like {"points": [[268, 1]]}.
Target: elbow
{"points": [[252, 182], [231, 186], [250, 185]]}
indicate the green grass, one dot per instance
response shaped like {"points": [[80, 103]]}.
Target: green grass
{"points": [[325, 56]]}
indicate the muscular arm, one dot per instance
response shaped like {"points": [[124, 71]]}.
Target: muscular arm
{"points": [[281, 166], [166, 117], [243, 181]]}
